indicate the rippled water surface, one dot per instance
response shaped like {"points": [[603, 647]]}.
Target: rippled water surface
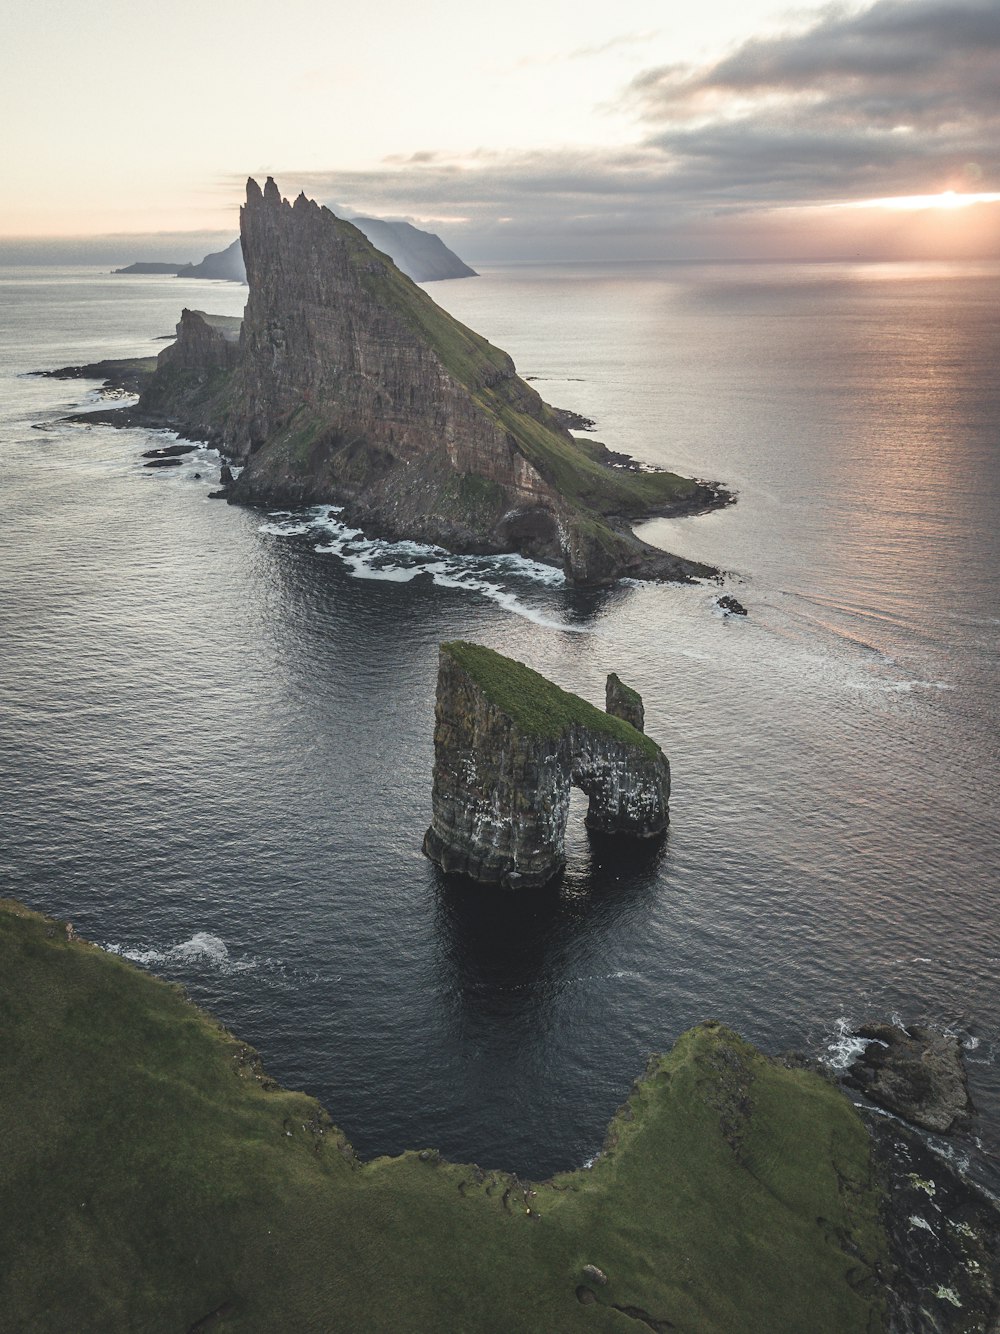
{"points": [[216, 745]]}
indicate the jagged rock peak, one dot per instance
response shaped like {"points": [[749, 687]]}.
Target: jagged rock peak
{"points": [[624, 702], [272, 195], [509, 746], [253, 191]]}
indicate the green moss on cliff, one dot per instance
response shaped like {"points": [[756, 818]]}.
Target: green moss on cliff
{"points": [[537, 705], [185, 395], [152, 1176], [628, 695], [488, 374]]}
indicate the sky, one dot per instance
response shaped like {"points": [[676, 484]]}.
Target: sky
{"points": [[543, 130]]}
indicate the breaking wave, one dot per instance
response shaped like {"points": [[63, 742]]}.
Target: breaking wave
{"points": [[404, 561]]}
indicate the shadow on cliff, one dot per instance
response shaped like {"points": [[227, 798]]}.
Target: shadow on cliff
{"points": [[508, 953]]}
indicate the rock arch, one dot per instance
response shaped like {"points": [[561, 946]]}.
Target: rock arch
{"points": [[509, 745]]}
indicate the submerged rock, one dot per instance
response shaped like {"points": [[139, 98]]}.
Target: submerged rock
{"points": [[508, 747], [916, 1073]]}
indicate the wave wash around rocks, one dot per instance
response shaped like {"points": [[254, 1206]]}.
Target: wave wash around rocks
{"points": [[348, 384], [154, 1178], [508, 747]]}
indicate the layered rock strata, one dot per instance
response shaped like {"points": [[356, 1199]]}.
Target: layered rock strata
{"points": [[509, 746], [350, 385]]}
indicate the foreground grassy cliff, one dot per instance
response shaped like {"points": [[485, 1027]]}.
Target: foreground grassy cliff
{"points": [[153, 1178]]}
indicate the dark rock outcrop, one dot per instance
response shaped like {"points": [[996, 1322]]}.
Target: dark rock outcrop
{"points": [[169, 452], [944, 1238], [916, 1073], [130, 374], [730, 606], [191, 389], [508, 747]]}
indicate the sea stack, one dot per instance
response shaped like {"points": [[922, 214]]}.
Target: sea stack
{"points": [[508, 747]]}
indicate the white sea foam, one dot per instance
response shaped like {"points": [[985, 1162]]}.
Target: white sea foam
{"points": [[845, 1047], [401, 562], [203, 949]]}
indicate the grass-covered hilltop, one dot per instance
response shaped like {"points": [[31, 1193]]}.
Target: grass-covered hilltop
{"points": [[154, 1179], [349, 385], [535, 704]]}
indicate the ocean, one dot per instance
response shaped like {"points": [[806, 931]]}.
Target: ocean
{"points": [[216, 723]]}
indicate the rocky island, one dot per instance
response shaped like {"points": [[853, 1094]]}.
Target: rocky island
{"points": [[508, 747], [346, 384]]}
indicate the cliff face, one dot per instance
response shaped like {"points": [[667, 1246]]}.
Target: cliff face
{"points": [[508, 747], [351, 386], [191, 388]]}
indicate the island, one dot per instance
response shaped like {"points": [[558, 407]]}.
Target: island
{"points": [[508, 747], [348, 385]]}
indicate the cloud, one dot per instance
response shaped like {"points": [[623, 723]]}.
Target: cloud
{"points": [[898, 98]]}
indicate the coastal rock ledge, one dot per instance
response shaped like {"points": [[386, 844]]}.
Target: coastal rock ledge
{"points": [[509, 746]]}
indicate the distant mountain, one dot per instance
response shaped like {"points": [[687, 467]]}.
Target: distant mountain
{"points": [[422, 256], [227, 264]]}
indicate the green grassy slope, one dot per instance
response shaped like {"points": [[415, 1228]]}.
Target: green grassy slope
{"points": [[152, 1176], [536, 704]]}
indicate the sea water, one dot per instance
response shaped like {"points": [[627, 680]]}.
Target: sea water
{"points": [[216, 723]]}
